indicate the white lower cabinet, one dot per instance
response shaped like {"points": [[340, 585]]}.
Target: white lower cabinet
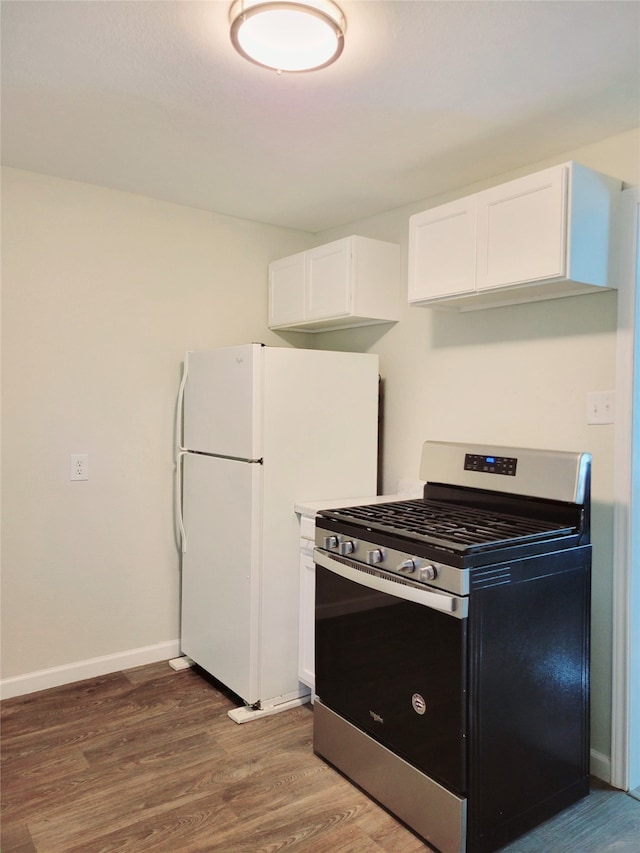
{"points": [[306, 654], [543, 236], [354, 281], [306, 647]]}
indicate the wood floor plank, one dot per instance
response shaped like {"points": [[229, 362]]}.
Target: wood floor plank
{"points": [[147, 672], [33, 769], [112, 798], [50, 709], [136, 746], [282, 828], [605, 821], [169, 830], [16, 838]]}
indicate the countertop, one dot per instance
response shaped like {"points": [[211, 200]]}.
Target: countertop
{"points": [[311, 508]]}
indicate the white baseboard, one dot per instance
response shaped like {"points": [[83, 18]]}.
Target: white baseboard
{"points": [[600, 766], [20, 685]]}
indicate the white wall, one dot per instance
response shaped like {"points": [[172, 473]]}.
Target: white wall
{"points": [[516, 376], [102, 294]]}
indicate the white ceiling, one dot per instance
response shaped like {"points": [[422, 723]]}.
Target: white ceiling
{"points": [[150, 97]]}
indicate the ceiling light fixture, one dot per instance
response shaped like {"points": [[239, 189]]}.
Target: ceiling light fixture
{"points": [[288, 36]]}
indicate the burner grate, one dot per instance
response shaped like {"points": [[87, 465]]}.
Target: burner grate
{"points": [[452, 526]]}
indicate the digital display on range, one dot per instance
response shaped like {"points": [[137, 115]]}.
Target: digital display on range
{"points": [[505, 465]]}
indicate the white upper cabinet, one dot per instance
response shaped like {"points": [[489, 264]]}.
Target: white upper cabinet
{"points": [[442, 250], [354, 281], [521, 230], [328, 281], [539, 237], [286, 297]]}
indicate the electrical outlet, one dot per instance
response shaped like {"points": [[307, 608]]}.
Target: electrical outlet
{"points": [[79, 466], [601, 407]]}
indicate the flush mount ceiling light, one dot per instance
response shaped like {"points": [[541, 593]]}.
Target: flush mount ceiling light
{"points": [[288, 36]]}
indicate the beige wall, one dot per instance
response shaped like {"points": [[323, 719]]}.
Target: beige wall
{"points": [[517, 376], [102, 294]]}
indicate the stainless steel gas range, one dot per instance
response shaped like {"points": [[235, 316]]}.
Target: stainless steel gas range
{"points": [[452, 644]]}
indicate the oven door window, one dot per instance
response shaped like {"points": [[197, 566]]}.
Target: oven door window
{"points": [[396, 670]]}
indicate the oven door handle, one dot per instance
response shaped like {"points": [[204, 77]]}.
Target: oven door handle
{"points": [[369, 578]]}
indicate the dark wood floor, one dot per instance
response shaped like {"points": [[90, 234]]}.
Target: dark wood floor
{"points": [[147, 761]]}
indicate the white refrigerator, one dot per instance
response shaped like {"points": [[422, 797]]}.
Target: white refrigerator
{"points": [[259, 429]]}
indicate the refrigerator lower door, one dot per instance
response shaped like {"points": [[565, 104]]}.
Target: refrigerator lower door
{"points": [[220, 570]]}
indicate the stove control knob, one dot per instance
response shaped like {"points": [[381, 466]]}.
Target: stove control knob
{"points": [[346, 547], [428, 573], [330, 542], [375, 556], [406, 567]]}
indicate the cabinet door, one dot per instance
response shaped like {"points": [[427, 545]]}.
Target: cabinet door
{"points": [[442, 250], [328, 280], [306, 649], [522, 230], [286, 290]]}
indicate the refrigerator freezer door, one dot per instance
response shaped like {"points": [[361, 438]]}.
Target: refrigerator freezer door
{"points": [[222, 402], [220, 570]]}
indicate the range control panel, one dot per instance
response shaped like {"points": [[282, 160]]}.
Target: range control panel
{"points": [[491, 464]]}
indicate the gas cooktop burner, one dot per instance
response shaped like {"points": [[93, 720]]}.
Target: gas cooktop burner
{"points": [[452, 526]]}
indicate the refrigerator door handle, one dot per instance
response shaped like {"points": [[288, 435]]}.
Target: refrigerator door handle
{"points": [[180, 406], [178, 502]]}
